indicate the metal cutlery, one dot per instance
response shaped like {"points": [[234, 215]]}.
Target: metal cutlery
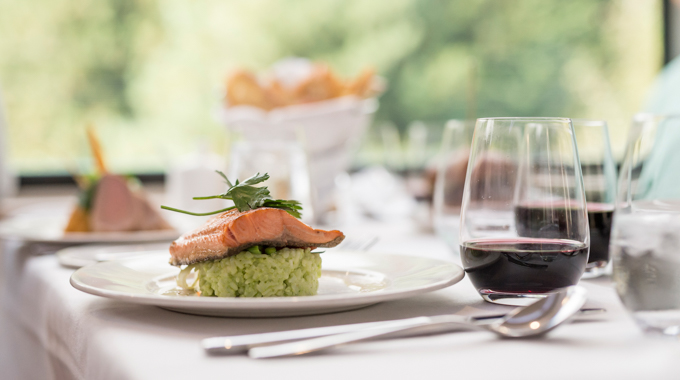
{"points": [[226, 345], [535, 319]]}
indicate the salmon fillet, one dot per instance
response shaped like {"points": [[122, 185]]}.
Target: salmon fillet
{"points": [[232, 232]]}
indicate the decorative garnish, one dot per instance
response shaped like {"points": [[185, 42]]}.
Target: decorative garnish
{"points": [[247, 197], [88, 182], [184, 274]]}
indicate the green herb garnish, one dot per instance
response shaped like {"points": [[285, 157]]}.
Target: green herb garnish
{"points": [[247, 197], [88, 185]]}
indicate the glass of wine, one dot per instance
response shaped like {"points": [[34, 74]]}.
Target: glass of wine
{"points": [[449, 182], [645, 242], [599, 182], [524, 227]]}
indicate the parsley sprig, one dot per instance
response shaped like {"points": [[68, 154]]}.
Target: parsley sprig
{"points": [[247, 197]]}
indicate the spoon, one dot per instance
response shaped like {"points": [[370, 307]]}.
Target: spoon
{"points": [[533, 320], [238, 344]]}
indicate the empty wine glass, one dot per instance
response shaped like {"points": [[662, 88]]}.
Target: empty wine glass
{"points": [[450, 180], [524, 228], [286, 164], [599, 182], [645, 243]]}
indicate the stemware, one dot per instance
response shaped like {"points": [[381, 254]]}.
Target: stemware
{"points": [[450, 180], [645, 242], [524, 228], [286, 164], [599, 182]]}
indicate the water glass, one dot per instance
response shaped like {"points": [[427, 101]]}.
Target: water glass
{"points": [[645, 243], [286, 164], [524, 228], [599, 182]]}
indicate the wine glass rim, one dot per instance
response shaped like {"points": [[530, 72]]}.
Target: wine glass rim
{"points": [[648, 115], [590, 122], [522, 118]]}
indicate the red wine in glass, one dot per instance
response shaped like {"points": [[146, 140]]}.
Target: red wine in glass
{"points": [[541, 221], [600, 219], [523, 226], [599, 182], [523, 265]]}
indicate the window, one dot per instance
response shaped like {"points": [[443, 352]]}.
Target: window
{"points": [[149, 73]]}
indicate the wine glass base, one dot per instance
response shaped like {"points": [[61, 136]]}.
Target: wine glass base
{"points": [[660, 323], [511, 299], [597, 269]]}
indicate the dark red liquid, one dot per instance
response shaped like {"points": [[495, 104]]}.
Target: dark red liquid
{"points": [[600, 221], [563, 223], [523, 265], [539, 221]]}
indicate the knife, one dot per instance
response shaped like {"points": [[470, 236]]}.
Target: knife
{"points": [[238, 344]]}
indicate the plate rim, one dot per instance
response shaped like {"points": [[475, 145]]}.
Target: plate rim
{"points": [[7, 233], [271, 303], [68, 256]]}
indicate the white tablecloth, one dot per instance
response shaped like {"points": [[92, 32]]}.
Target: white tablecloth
{"points": [[51, 330]]}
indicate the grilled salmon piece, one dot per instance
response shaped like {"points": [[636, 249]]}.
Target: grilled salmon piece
{"points": [[229, 233]]}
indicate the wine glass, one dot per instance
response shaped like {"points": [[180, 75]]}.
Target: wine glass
{"points": [[450, 180], [524, 228], [645, 242], [286, 164], [599, 182]]}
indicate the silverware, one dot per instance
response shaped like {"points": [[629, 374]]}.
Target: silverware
{"points": [[227, 345], [535, 319]]}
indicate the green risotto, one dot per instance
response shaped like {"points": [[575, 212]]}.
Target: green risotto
{"points": [[281, 273]]}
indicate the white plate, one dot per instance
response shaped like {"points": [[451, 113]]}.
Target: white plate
{"points": [[40, 228], [81, 255], [350, 280]]}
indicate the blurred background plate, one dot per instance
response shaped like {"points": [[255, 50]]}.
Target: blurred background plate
{"points": [[40, 228], [79, 256]]}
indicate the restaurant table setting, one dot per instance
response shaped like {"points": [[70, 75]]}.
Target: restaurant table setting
{"points": [[513, 294], [99, 338], [51, 330]]}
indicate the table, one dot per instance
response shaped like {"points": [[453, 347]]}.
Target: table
{"points": [[49, 330]]}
